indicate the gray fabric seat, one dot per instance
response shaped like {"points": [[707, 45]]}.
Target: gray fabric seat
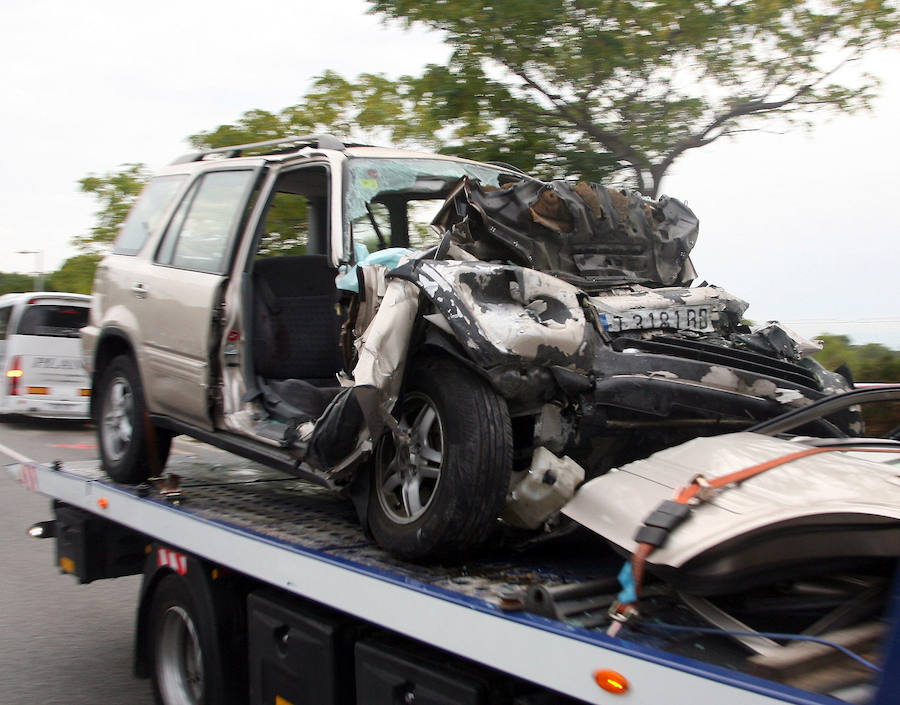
{"points": [[296, 328]]}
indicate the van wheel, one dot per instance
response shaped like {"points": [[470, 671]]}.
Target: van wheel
{"points": [[442, 501], [131, 448]]}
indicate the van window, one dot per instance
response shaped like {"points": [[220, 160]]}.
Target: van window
{"points": [[5, 312], [146, 215], [57, 321]]}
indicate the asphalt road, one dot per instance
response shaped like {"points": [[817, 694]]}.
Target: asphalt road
{"points": [[61, 643]]}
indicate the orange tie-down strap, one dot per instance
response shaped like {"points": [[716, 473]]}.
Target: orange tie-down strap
{"points": [[671, 513]]}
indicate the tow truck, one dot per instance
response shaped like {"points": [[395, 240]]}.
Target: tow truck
{"points": [[258, 588]]}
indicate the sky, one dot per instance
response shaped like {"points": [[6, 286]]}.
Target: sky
{"points": [[802, 225]]}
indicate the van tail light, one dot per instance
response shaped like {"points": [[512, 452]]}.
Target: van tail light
{"points": [[14, 374]]}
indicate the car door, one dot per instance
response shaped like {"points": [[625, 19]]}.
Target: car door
{"points": [[183, 293]]}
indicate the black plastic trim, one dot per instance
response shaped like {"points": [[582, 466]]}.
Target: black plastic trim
{"points": [[718, 355], [245, 447], [659, 396]]}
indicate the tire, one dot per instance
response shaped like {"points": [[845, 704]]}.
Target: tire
{"points": [[445, 502], [185, 656], [131, 448]]}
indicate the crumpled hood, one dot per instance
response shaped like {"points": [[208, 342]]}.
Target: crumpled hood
{"points": [[586, 233]]}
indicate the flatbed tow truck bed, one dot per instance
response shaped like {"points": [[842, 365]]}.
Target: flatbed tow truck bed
{"points": [[289, 541]]}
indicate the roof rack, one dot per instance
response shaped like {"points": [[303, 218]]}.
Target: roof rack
{"points": [[318, 141]]}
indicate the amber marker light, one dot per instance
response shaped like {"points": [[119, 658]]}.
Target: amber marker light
{"points": [[103, 503], [611, 681]]}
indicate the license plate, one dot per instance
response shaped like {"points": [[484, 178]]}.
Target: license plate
{"points": [[678, 318], [55, 363]]}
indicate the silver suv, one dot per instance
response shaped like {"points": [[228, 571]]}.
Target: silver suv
{"points": [[449, 343]]}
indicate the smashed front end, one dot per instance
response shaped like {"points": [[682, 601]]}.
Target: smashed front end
{"points": [[574, 302]]}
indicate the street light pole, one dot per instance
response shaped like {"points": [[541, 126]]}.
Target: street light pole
{"points": [[39, 259]]}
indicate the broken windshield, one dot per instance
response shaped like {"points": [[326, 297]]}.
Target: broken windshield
{"points": [[389, 202]]}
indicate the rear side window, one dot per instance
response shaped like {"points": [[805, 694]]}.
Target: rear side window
{"points": [[56, 321], [146, 215], [5, 312], [201, 229]]}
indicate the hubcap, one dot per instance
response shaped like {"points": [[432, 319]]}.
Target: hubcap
{"points": [[406, 489], [117, 423], [179, 660]]}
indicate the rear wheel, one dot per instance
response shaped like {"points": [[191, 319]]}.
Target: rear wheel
{"points": [[442, 499], [131, 448], [186, 665]]}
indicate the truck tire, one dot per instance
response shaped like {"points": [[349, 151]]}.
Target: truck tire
{"points": [[131, 448], [185, 655], [445, 501]]}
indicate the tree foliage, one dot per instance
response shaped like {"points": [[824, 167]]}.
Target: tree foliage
{"points": [[76, 275], [636, 82], [871, 362], [116, 191], [13, 282]]}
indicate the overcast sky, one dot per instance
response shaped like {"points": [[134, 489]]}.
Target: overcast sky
{"points": [[803, 226]]}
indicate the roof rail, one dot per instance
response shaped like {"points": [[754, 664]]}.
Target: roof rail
{"points": [[507, 166], [318, 141]]}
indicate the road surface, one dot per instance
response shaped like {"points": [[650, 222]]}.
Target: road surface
{"points": [[61, 643]]}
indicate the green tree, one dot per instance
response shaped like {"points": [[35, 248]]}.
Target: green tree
{"points": [[76, 275], [116, 191], [415, 112], [582, 83], [13, 282], [871, 362]]}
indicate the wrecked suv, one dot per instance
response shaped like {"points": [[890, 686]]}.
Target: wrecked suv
{"points": [[288, 301]]}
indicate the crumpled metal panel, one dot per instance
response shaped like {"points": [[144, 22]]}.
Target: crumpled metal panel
{"points": [[502, 313], [596, 235]]}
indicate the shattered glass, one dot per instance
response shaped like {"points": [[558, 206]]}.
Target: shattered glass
{"points": [[369, 178]]}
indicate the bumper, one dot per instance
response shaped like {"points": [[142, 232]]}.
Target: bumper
{"points": [[47, 408], [672, 398]]}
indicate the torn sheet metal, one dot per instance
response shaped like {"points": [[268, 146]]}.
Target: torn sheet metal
{"points": [[596, 235], [384, 345], [501, 313]]}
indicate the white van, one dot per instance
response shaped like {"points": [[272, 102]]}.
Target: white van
{"points": [[40, 355]]}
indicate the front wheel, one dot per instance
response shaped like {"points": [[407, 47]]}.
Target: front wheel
{"points": [[442, 498], [131, 448]]}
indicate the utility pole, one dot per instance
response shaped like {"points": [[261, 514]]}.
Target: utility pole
{"points": [[39, 260]]}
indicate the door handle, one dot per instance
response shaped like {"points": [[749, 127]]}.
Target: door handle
{"points": [[139, 290]]}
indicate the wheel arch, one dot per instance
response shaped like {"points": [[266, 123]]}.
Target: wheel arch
{"points": [[219, 596], [112, 343], [153, 575], [437, 343]]}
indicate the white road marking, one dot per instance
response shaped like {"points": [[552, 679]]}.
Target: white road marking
{"points": [[14, 455]]}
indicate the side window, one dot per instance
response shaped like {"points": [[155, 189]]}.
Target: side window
{"points": [[5, 312], [296, 220], [146, 214], [198, 236]]}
